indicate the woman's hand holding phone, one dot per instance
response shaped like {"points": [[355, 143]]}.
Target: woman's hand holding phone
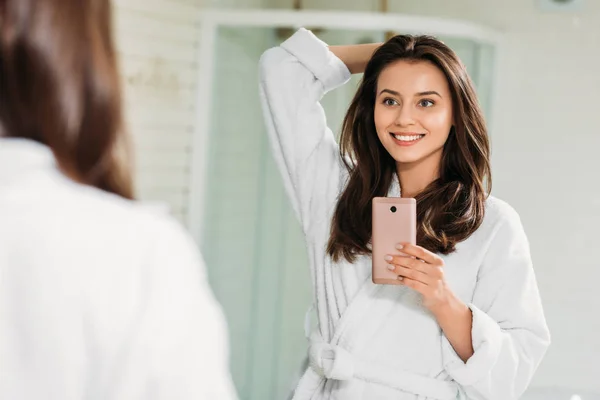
{"points": [[422, 271]]}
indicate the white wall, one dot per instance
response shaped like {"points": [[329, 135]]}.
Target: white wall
{"points": [[157, 43], [546, 140]]}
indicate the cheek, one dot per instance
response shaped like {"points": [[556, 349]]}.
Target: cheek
{"points": [[383, 119], [438, 124]]}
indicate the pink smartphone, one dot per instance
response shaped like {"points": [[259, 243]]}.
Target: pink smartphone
{"points": [[394, 221]]}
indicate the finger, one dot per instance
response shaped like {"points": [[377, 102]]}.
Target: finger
{"points": [[420, 253], [414, 284], [410, 273], [411, 262], [433, 271]]}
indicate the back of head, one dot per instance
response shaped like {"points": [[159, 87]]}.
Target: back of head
{"points": [[60, 87]]}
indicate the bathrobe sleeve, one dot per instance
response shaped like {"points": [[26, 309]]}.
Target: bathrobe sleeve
{"points": [[177, 346], [293, 78], [509, 333]]}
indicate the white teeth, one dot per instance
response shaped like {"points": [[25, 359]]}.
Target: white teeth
{"points": [[408, 138]]}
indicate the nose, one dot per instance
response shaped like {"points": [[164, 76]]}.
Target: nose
{"points": [[405, 116]]}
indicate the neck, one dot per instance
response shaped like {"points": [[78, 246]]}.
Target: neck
{"points": [[416, 176]]}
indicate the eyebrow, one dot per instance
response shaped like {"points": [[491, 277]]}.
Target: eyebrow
{"points": [[427, 93]]}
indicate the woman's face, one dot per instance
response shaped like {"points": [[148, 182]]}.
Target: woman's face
{"points": [[413, 110]]}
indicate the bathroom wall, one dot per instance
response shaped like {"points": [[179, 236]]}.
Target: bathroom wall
{"points": [[157, 42]]}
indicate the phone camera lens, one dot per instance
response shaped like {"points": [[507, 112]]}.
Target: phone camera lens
{"points": [[393, 209]]}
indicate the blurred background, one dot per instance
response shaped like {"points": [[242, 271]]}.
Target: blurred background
{"points": [[202, 151]]}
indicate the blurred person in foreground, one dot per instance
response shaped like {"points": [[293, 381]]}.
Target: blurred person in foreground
{"points": [[100, 298]]}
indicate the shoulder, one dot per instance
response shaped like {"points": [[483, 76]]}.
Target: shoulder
{"points": [[122, 222], [499, 211], [502, 222]]}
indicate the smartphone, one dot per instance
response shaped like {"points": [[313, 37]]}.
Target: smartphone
{"points": [[394, 221]]}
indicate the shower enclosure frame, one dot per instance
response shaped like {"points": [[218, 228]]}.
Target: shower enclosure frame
{"points": [[211, 19]]}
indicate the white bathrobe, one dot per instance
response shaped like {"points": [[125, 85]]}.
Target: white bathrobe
{"points": [[379, 341], [100, 298]]}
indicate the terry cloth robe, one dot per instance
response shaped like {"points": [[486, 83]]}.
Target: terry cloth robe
{"points": [[101, 298]]}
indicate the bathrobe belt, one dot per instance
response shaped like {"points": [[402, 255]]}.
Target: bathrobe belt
{"points": [[334, 362]]}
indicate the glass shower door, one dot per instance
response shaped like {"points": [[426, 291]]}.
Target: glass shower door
{"points": [[253, 245]]}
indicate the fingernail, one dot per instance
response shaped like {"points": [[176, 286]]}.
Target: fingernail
{"points": [[389, 258], [391, 267], [400, 278], [399, 246]]}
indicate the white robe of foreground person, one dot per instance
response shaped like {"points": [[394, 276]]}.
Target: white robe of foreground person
{"points": [[100, 298], [379, 341]]}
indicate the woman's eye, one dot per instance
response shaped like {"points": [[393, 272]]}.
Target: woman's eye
{"points": [[426, 103], [390, 102]]}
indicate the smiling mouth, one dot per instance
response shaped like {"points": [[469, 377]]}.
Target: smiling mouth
{"points": [[407, 138]]}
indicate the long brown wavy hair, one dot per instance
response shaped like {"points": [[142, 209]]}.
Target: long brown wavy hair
{"points": [[452, 207], [61, 87]]}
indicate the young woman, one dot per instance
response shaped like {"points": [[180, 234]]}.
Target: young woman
{"points": [[99, 298], [466, 320]]}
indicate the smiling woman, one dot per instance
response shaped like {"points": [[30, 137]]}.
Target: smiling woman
{"points": [[415, 114], [465, 319]]}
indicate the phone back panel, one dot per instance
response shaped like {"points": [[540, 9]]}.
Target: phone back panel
{"points": [[394, 221]]}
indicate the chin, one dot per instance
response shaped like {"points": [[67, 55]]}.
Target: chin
{"points": [[406, 157]]}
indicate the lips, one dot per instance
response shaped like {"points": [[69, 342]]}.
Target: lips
{"points": [[407, 138]]}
